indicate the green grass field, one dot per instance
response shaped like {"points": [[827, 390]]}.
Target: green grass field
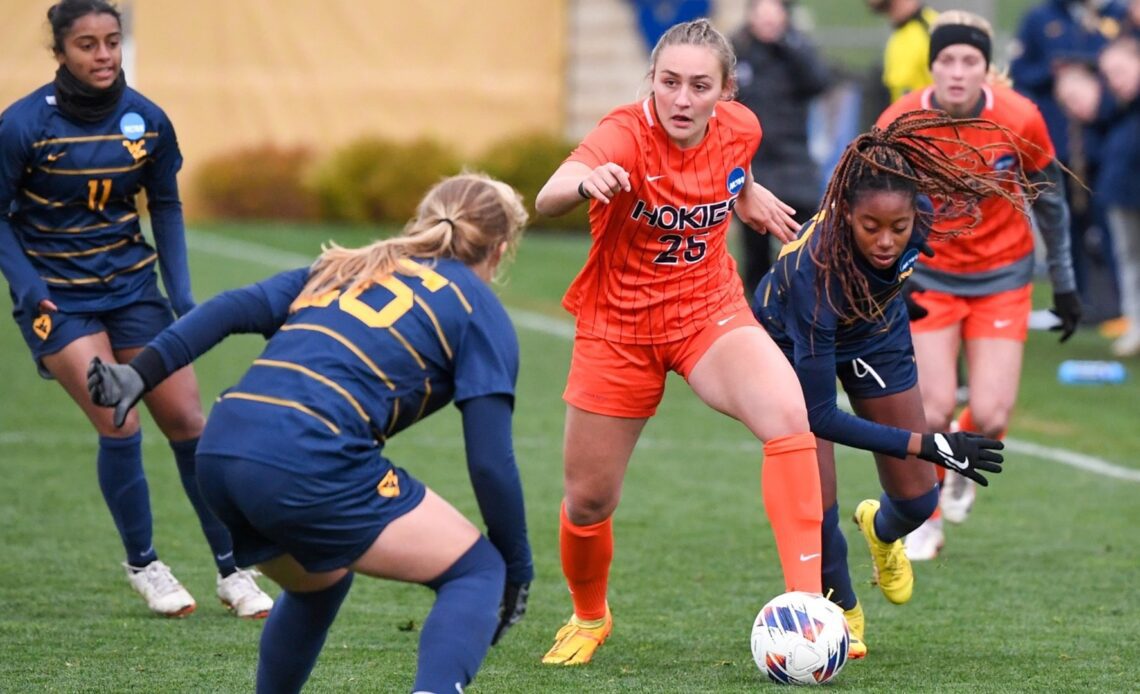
{"points": [[1037, 592]]}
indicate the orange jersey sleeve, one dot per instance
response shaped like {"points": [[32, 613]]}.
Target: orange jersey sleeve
{"points": [[659, 267], [1003, 235]]}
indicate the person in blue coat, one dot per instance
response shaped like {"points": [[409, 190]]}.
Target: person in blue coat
{"points": [[362, 345], [74, 156], [834, 303]]}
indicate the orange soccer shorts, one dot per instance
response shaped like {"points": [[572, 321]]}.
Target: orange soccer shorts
{"points": [[1003, 315], [624, 380]]}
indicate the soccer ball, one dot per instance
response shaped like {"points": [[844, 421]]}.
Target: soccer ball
{"points": [[800, 638]]}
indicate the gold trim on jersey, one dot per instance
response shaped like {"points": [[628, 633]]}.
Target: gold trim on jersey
{"points": [[90, 251], [129, 217], [435, 324], [408, 346], [424, 402], [42, 201], [276, 364], [462, 299], [92, 172], [88, 138], [351, 347], [393, 419], [108, 278], [265, 399]]}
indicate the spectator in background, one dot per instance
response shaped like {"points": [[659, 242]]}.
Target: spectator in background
{"points": [[905, 64], [1056, 39], [1114, 103], [778, 71], [654, 17]]}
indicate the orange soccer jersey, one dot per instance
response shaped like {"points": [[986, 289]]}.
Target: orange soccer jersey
{"points": [[1003, 235], [659, 267]]}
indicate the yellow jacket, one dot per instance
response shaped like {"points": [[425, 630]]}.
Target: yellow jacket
{"points": [[906, 58]]}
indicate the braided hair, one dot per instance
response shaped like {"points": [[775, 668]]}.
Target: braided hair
{"points": [[921, 153]]}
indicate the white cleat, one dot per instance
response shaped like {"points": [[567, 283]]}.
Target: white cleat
{"points": [[926, 541], [957, 498], [163, 593], [239, 592]]}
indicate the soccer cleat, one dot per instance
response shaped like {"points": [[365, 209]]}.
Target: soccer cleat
{"points": [[575, 643], [163, 593], [239, 592], [926, 541], [891, 568], [855, 624], [957, 498]]}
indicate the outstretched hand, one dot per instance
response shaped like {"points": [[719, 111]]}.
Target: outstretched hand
{"points": [[764, 212], [963, 452], [114, 385], [511, 609]]}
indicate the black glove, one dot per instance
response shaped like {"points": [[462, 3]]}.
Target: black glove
{"points": [[914, 310], [1067, 307], [114, 385], [964, 453], [511, 609]]}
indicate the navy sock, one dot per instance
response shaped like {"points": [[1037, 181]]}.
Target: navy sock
{"points": [[899, 517], [125, 491], [836, 578], [294, 634], [458, 630], [216, 534]]}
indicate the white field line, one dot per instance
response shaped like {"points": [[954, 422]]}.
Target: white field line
{"points": [[273, 258]]}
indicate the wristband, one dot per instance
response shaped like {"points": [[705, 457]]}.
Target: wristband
{"points": [[582, 190]]}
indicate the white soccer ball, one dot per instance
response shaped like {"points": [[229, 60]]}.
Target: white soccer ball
{"points": [[800, 638]]}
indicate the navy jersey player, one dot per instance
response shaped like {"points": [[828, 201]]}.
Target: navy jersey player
{"points": [[362, 345], [833, 303], [74, 154]]}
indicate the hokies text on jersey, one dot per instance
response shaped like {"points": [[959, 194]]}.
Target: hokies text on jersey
{"points": [[671, 218]]}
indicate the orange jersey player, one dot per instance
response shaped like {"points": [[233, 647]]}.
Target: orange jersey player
{"points": [[659, 268], [660, 293], [976, 288]]}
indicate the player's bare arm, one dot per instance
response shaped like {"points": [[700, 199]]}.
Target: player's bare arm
{"points": [[760, 209], [575, 182]]}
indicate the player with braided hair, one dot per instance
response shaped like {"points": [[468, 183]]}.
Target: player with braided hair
{"points": [[833, 303]]}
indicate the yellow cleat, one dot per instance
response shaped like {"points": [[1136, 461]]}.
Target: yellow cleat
{"points": [[891, 568], [575, 643], [855, 623]]}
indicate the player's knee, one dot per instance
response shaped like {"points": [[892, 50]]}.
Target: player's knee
{"points": [[481, 567], [990, 419], [182, 425], [586, 509]]}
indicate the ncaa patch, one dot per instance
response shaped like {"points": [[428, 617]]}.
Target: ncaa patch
{"points": [[42, 326], [1005, 162], [132, 126], [736, 179]]}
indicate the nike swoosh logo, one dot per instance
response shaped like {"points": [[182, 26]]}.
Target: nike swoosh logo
{"points": [[654, 178], [224, 557], [722, 322], [809, 557], [947, 454], [999, 324], [53, 157]]}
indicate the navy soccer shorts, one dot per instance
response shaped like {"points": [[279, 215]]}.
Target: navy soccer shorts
{"points": [[324, 521], [133, 325], [877, 373]]}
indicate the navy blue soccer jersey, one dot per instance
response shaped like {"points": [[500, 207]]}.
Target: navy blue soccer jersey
{"points": [[345, 372], [71, 232], [821, 340]]}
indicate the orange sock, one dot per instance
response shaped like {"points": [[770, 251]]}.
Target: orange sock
{"points": [[966, 422], [587, 551], [794, 502]]}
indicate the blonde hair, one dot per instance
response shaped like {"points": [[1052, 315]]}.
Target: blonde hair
{"points": [[466, 217], [700, 32], [995, 75]]}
